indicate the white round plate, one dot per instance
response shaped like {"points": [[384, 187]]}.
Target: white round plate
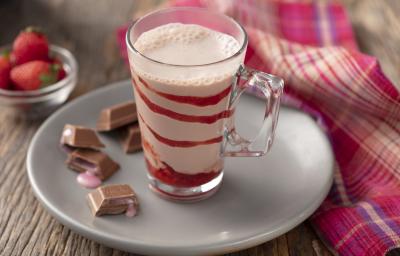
{"points": [[260, 198]]}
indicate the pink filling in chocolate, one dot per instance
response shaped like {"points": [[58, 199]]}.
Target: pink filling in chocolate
{"points": [[66, 148], [89, 167], [131, 210], [88, 180]]}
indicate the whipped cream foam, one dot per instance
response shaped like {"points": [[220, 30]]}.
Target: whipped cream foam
{"points": [[186, 44]]}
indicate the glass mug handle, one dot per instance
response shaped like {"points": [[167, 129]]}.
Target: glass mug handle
{"points": [[271, 88]]}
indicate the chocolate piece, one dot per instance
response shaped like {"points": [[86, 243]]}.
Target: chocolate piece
{"points": [[96, 162], [79, 137], [113, 199], [117, 116], [131, 139]]}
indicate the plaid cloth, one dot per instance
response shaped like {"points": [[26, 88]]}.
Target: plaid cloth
{"points": [[311, 45]]}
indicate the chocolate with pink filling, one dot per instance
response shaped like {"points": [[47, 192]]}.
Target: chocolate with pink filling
{"points": [[131, 138], [116, 116], [93, 162], [74, 136], [113, 199]]}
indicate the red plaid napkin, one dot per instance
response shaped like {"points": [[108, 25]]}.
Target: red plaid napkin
{"points": [[311, 45]]}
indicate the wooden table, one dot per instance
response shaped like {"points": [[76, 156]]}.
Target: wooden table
{"points": [[87, 28]]}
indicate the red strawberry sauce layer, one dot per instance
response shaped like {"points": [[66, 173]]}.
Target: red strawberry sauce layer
{"points": [[181, 117], [169, 176], [192, 100]]}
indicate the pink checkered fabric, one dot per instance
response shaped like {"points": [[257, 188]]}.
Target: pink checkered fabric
{"points": [[311, 45]]}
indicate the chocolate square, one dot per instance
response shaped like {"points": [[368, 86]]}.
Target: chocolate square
{"points": [[111, 199], [96, 162], [116, 116], [80, 137], [131, 139]]}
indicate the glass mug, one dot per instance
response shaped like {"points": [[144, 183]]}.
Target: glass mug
{"points": [[188, 130]]}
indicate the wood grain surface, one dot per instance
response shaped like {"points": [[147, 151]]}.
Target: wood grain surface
{"points": [[87, 28]]}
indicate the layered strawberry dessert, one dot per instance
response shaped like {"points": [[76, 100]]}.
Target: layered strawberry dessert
{"points": [[182, 103]]}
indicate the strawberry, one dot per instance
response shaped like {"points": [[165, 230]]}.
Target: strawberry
{"points": [[5, 68], [30, 44], [35, 74], [62, 73], [55, 60]]}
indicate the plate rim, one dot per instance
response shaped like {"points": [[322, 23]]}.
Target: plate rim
{"points": [[146, 248]]}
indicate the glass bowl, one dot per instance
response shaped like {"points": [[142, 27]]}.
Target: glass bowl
{"points": [[42, 102]]}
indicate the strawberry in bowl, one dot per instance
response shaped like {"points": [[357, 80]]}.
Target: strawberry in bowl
{"points": [[36, 74], [5, 69], [30, 44], [35, 77]]}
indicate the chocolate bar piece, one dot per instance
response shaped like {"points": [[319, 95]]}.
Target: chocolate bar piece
{"points": [[113, 199], [79, 137], [117, 116], [95, 162], [131, 139]]}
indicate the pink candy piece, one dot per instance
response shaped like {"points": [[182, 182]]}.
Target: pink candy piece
{"points": [[88, 180], [131, 211]]}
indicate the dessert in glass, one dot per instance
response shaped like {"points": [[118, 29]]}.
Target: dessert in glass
{"points": [[187, 74]]}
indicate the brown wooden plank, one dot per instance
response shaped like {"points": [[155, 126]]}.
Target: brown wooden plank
{"points": [[377, 29], [88, 30]]}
